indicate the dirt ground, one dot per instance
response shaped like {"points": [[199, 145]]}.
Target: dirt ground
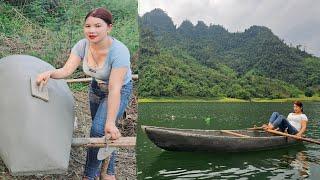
{"points": [[126, 161]]}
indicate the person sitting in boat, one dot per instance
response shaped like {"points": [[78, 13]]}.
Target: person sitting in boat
{"points": [[295, 123]]}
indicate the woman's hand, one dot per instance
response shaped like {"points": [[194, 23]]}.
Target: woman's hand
{"points": [[71, 65], [267, 126], [111, 129], [299, 134], [303, 128], [42, 79]]}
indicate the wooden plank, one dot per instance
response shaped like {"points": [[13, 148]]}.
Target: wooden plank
{"points": [[100, 142], [134, 77], [234, 133]]}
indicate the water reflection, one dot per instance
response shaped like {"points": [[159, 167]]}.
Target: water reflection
{"points": [[301, 164], [271, 164]]}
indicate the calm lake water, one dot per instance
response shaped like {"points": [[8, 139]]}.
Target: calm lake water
{"points": [[296, 162]]}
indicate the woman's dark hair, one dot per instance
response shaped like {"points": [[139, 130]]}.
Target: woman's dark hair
{"points": [[101, 13], [298, 103]]}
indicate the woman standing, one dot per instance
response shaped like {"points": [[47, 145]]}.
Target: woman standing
{"points": [[295, 123], [107, 60]]}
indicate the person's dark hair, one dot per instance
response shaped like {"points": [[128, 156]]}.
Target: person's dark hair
{"points": [[101, 13], [298, 103]]}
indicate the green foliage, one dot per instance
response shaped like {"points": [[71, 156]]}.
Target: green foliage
{"points": [[159, 76], [208, 61], [312, 70], [148, 45], [309, 92]]}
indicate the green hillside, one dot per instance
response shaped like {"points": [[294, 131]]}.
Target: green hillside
{"points": [[209, 61]]}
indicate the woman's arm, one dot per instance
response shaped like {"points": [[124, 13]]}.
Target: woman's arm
{"points": [[303, 128], [70, 66], [115, 84]]}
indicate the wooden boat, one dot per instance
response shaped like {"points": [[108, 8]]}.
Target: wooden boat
{"points": [[173, 139]]}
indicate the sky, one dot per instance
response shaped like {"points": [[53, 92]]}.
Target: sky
{"points": [[295, 21]]}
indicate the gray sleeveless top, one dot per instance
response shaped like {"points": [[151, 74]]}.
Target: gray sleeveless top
{"points": [[117, 57]]}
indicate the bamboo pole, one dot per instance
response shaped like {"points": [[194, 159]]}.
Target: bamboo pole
{"points": [[134, 77], [293, 136], [287, 135]]}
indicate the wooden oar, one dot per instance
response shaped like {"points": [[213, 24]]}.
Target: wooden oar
{"points": [[285, 134]]}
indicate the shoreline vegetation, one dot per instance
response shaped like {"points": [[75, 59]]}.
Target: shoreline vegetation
{"points": [[222, 100]]}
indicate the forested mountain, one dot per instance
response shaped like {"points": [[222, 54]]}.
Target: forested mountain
{"points": [[201, 60]]}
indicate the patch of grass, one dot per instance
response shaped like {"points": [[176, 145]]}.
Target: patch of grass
{"points": [[76, 87]]}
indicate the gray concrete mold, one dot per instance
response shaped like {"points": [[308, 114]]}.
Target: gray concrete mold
{"points": [[35, 136]]}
